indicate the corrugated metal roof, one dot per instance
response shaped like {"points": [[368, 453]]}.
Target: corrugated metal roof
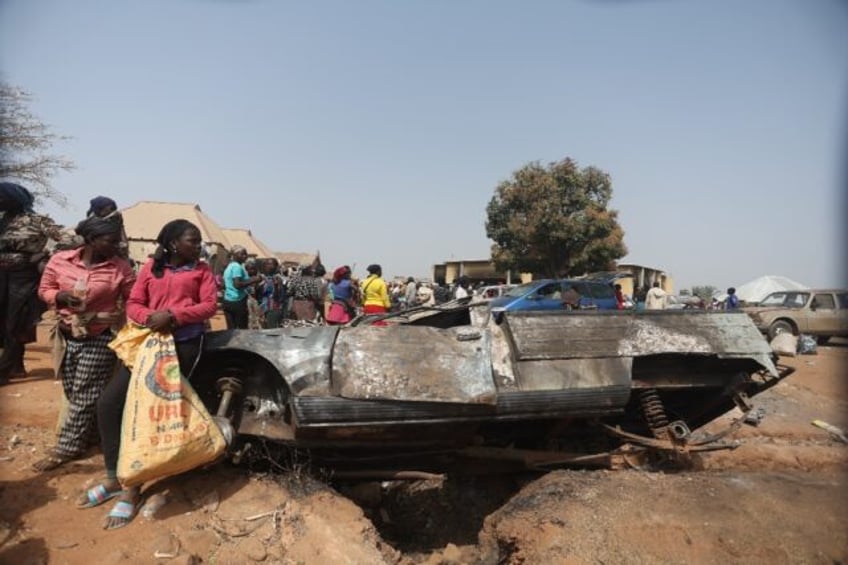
{"points": [[143, 220], [295, 258], [244, 237]]}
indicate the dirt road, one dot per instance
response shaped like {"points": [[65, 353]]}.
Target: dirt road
{"points": [[779, 498]]}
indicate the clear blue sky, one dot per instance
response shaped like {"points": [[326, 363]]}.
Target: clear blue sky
{"points": [[377, 130]]}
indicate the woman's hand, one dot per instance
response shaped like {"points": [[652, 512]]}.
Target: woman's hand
{"points": [[160, 321], [68, 300]]}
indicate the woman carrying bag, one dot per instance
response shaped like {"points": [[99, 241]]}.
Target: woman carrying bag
{"points": [[175, 294]]}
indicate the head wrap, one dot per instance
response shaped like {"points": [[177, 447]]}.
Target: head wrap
{"points": [[98, 203], [17, 194], [340, 273], [237, 249], [95, 226]]}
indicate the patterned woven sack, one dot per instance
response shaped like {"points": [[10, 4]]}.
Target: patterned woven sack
{"points": [[166, 429]]}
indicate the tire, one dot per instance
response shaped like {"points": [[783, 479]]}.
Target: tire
{"points": [[779, 327], [823, 339]]}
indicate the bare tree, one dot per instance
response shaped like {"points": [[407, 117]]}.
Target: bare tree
{"points": [[25, 143]]}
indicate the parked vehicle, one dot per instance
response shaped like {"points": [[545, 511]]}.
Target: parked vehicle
{"points": [[687, 302], [819, 312], [491, 292], [447, 389], [548, 294]]}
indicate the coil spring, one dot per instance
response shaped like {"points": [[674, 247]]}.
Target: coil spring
{"points": [[654, 413]]}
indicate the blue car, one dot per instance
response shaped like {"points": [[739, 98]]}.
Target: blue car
{"points": [[548, 294]]}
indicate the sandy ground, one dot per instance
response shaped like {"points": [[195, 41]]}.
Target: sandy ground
{"points": [[779, 498]]}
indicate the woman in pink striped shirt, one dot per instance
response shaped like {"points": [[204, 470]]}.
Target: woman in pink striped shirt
{"points": [[175, 293], [87, 287]]}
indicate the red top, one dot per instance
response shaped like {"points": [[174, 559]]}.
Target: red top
{"points": [[189, 292], [105, 283], [619, 300]]}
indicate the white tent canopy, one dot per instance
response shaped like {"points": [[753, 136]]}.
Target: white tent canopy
{"points": [[759, 288]]}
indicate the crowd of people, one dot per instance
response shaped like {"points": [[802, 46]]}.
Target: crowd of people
{"points": [[656, 298], [86, 278], [262, 293]]}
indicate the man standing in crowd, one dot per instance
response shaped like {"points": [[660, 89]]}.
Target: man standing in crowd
{"points": [[656, 298], [411, 293], [732, 302], [462, 288], [236, 283]]}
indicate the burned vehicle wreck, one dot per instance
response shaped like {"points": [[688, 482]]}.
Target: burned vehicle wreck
{"points": [[447, 389]]}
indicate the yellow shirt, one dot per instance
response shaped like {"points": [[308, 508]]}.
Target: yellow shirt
{"points": [[374, 292]]}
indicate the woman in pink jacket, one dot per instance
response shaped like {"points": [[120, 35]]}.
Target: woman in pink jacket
{"points": [[174, 293], [87, 287]]}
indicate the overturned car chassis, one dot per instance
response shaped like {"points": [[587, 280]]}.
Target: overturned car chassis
{"points": [[449, 389]]}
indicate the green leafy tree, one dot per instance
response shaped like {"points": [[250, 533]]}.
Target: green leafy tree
{"points": [[554, 221], [25, 144], [705, 292]]}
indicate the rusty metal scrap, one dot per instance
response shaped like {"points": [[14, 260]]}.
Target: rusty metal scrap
{"points": [[413, 363]]}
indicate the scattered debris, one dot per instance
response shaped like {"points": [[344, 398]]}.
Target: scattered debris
{"points": [[807, 345], [7, 458], [171, 550], [15, 440], [258, 516], [832, 430], [153, 504], [260, 520], [754, 417], [785, 344]]}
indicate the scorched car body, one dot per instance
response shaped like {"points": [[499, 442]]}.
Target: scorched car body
{"points": [[579, 385]]}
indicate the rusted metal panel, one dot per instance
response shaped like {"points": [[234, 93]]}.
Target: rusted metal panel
{"points": [[580, 335], [502, 364], [300, 355], [414, 363], [574, 374], [314, 412]]}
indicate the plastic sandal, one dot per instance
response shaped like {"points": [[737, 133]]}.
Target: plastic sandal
{"points": [[124, 511], [98, 495]]}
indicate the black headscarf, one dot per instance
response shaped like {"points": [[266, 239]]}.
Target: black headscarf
{"points": [[94, 226], [18, 194], [98, 203]]}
